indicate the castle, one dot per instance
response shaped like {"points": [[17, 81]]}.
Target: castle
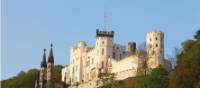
{"points": [[86, 63]]}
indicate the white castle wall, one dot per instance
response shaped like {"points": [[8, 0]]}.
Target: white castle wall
{"points": [[66, 74], [127, 67]]}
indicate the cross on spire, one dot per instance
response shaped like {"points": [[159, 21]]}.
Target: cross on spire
{"points": [[104, 19]]}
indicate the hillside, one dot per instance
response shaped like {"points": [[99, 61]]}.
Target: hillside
{"points": [[27, 79]]}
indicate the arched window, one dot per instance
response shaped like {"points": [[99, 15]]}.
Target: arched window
{"points": [[102, 64], [114, 55], [156, 45]]}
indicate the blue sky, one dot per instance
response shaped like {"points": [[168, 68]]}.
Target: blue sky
{"points": [[28, 26]]}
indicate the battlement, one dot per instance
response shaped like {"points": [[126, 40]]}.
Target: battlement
{"points": [[156, 32], [104, 33]]}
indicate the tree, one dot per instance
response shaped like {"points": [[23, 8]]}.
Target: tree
{"points": [[188, 66], [173, 57], [57, 72], [107, 80], [157, 78], [22, 80], [197, 35], [143, 57]]}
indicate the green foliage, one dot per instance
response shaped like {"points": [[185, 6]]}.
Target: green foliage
{"points": [[142, 67], [106, 80], [197, 35], [22, 80], [157, 78], [57, 72], [130, 82], [51, 84], [188, 68]]}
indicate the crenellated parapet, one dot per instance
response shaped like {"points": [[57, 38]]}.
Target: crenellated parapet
{"points": [[104, 33]]}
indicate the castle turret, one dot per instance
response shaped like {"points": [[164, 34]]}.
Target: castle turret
{"points": [[155, 48], [104, 46], [50, 66], [131, 47]]}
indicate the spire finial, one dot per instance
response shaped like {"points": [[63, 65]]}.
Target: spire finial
{"points": [[51, 45], [44, 50]]}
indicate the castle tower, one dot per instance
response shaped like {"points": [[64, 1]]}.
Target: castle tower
{"points": [[104, 46], [155, 48], [131, 48], [50, 67], [81, 55], [42, 74]]}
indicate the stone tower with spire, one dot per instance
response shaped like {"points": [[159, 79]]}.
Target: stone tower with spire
{"points": [[50, 67], [41, 75], [43, 67], [45, 76]]}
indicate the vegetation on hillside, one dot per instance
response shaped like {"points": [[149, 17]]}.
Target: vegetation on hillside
{"points": [[27, 79], [187, 72]]}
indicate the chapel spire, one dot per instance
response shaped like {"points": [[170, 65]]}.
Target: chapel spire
{"points": [[44, 63], [51, 57]]}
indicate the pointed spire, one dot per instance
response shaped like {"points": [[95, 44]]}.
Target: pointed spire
{"points": [[44, 63], [51, 57]]}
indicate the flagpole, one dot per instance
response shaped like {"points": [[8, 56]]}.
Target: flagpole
{"points": [[104, 19]]}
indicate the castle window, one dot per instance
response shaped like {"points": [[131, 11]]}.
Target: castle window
{"points": [[124, 52], [156, 45], [102, 64], [102, 52], [114, 55], [102, 42], [120, 56], [150, 46], [73, 70], [156, 38]]}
